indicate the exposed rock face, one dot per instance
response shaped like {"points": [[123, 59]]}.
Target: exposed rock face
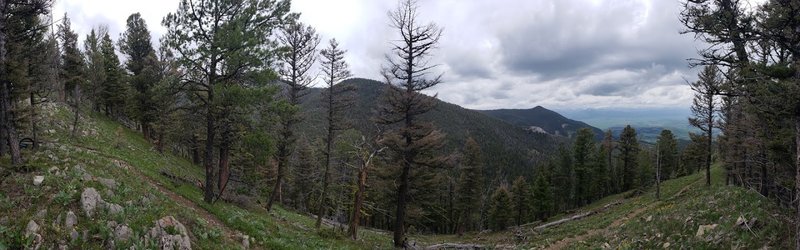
{"points": [[90, 200], [170, 234]]}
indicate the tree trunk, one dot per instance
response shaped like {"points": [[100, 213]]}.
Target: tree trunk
{"points": [[402, 193], [224, 166], [358, 202], [146, 130], [195, 150], [5, 94], [710, 137], [325, 175], [209, 158], [34, 127], [276, 190], [797, 170]]}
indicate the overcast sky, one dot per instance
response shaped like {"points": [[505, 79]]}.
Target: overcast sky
{"points": [[561, 54]]}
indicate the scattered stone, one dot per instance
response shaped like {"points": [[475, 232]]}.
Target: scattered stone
{"points": [[74, 235], [649, 218], [129, 203], [109, 193], [37, 180], [71, 220], [86, 177], [122, 233], [85, 235], [113, 208], [606, 246], [705, 228], [109, 183], [666, 245], [53, 171], [162, 233], [111, 224], [31, 229], [41, 214], [740, 221], [90, 200], [245, 241]]}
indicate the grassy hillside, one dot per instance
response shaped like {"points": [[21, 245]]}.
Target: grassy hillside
{"points": [[104, 151], [643, 222]]}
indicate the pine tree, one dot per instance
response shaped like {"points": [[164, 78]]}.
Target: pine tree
{"points": [[336, 99], [95, 70], [629, 157], [300, 55], [470, 186], [668, 154], [543, 202], [501, 210], [207, 35], [704, 109], [71, 59], [135, 43], [520, 200], [113, 91], [413, 143], [584, 165]]}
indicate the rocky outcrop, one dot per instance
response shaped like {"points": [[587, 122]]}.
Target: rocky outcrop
{"points": [[169, 233], [90, 201]]}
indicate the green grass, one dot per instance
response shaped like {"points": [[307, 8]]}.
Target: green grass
{"points": [[99, 152]]}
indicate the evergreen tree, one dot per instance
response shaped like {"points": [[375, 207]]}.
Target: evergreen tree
{"points": [[563, 174], [584, 165], [500, 209], [336, 99], [209, 35], [299, 56], [72, 64], [135, 43], [520, 200], [468, 194], [667, 146], [113, 90], [412, 142], [542, 195], [704, 109], [95, 70], [629, 157]]}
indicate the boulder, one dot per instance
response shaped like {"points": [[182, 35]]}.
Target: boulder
{"points": [[122, 233], [41, 214], [703, 229], [31, 229], [170, 234], [74, 235], [108, 183], [113, 208], [71, 220], [90, 200], [37, 180]]}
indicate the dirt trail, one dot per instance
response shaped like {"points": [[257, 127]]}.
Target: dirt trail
{"points": [[212, 220], [563, 243]]}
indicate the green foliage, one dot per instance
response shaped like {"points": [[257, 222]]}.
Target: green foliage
{"points": [[469, 187], [501, 209], [629, 157], [542, 200], [521, 204], [585, 164], [667, 147], [72, 64]]}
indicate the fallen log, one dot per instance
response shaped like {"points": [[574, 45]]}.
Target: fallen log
{"points": [[576, 217]]}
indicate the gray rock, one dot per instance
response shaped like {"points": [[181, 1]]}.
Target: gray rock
{"points": [[108, 183], [703, 229], [71, 220], [113, 208], [74, 235], [53, 171], [109, 193], [86, 177], [122, 233], [41, 214], [245, 242], [31, 229], [161, 234], [90, 200], [111, 224], [37, 180]]}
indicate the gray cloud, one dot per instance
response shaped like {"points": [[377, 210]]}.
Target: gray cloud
{"points": [[497, 53]]}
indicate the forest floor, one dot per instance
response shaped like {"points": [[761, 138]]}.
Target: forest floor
{"points": [[105, 151]]}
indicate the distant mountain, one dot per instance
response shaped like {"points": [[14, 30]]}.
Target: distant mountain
{"points": [[542, 120], [506, 148], [648, 121]]}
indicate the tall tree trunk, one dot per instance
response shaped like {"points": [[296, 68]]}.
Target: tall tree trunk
{"points": [[209, 158], [709, 137], [358, 202], [282, 161], [325, 174], [5, 94], [34, 127], [797, 167], [400, 216], [224, 166], [195, 148], [146, 130]]}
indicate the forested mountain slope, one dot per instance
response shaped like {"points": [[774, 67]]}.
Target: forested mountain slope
{"points": [[542, 119], [508, 149]]}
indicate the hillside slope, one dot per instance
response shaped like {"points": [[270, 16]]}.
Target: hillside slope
{"points": [[542, 119], [730, 218], [124, 181], [507, 148]]}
